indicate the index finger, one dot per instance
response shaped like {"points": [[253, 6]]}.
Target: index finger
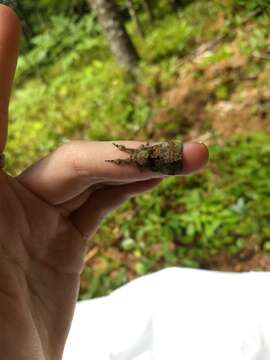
{"points": [[10, 31], [74, 167]]}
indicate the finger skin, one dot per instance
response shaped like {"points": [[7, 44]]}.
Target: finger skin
{"points": [[195, 157], [76, 166], [10, 31], [70, 206]]}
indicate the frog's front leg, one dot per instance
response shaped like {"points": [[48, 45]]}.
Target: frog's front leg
{"points": [[124, 148], [144, 146]]}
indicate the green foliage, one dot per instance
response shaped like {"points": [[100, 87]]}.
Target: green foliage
{"points": [[69, 86], [175, 39], [95, 102], [69, 39], [257, 40], [37, 14], [251, 5]]}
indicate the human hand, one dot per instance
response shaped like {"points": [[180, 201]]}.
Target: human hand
{"points": [[47, 215]]}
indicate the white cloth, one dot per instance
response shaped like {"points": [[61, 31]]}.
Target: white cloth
{"points": [[176, 314]]}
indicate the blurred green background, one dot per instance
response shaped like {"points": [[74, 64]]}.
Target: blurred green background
{"points": [[203, 74]]}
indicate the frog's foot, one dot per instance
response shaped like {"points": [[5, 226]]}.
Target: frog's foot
{"points": [[124, 148]]}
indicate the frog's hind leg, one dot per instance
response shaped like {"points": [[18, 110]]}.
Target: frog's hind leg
{"points": [[119, 161], [124, 148]]}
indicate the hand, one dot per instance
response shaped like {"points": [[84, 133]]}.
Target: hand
{"points": [[47, 215]]}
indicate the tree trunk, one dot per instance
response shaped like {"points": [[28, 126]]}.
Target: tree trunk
{"points": [[135, 17], [148, 8], [114, 29]]}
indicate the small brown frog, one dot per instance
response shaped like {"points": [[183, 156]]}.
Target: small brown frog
{"points": [[165, 157]]}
